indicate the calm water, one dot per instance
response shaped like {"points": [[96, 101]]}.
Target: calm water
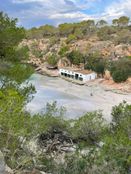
{"points": [[51, 89]]}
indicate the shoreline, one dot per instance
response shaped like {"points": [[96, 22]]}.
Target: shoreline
{"points": [[55, 73], [80, 98], [109, 85]]}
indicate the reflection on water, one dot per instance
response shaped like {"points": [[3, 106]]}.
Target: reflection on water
{"points": [[55, 89]]}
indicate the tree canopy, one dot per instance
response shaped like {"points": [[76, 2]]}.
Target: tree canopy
{"points": [[11, 53]]}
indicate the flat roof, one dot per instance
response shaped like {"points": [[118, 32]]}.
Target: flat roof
{"points": [[78, 70], [70, 69], [84, 71]]}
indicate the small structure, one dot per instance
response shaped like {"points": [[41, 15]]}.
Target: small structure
{"points": [[80, 75]]}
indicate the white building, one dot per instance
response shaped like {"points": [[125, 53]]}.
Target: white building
{"points": [[81, 75]]}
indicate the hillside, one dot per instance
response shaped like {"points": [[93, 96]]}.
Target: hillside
{"points": [[88, 37], [86, 44], [40, 49]]}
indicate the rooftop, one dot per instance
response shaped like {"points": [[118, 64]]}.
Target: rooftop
{"points": [[78, 70], [84, 71]]}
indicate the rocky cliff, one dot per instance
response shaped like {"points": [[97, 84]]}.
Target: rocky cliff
{"points": [[40, 49]]}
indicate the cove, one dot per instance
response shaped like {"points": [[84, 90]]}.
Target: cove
{"points": [[75, 98], [50, 89]]}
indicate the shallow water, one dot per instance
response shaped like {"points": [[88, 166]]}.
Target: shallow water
{"points": [[51, 89]]}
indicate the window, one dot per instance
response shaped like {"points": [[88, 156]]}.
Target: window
{"points": [[76, 76], [80, 78]]}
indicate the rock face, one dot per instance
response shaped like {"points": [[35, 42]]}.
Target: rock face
{"points": [[107, 75], [122, 50], [41, 49], [106, 48], [64, 62]]}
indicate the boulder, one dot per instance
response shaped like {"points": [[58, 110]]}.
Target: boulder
{"points": [[107, 75]]}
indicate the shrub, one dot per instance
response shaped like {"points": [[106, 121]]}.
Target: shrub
{"points": [[95, 63], [52, 60], [119, 76], [71, 38], [89, 128], [78, 33], [120, 69], [54, 40], [121, 114], [117, 143], [38, 53], [105, 33], [75, 57], [73, 164], [63, 51]]}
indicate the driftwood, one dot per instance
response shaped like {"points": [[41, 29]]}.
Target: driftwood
{"points": [[55, 141]]}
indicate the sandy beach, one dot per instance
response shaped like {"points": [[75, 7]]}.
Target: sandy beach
{"points": [[76, 99]]}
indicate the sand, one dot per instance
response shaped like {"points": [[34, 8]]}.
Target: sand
{"points": [[77, 99]]}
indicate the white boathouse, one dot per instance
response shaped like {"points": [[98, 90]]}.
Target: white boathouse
{"points": [[81, 75]]}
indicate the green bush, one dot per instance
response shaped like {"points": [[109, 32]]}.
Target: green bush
{"points": [[74, 165], [96, 63], [37, 53], [63, 51], [71, 38], [89, 128], [105, 32], [75, 57], [78, 33], [119, 76], [120, 69], [52, 60]]}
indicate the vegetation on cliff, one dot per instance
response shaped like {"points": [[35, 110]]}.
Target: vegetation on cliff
{"points": [[74, 31], [106, 147], [95, 44]]}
